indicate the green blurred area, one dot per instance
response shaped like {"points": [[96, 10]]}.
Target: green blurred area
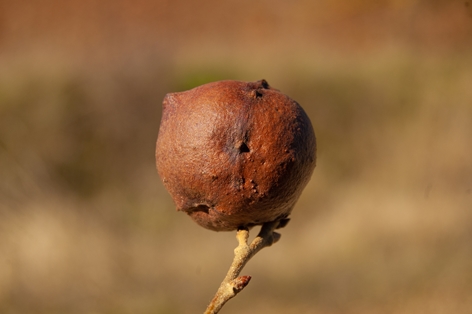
{"points": [[385, 224]]}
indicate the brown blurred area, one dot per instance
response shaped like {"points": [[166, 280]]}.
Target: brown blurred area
{"points": [[384, 226]]}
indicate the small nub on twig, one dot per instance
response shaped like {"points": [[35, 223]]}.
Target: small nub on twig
{"points": [[233, 283]]}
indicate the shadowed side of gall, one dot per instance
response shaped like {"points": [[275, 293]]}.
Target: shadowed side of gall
{"points": [[234, 154]]}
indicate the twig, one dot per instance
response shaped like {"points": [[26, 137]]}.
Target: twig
{"points": [[233, 283]]}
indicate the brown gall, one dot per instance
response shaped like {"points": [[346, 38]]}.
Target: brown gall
{"points": [[234, 154]]}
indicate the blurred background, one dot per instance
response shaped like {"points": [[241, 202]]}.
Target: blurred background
{"points": [[384, 226]]}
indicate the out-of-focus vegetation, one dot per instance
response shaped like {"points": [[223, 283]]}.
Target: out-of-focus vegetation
{"points": [[385, 225]]}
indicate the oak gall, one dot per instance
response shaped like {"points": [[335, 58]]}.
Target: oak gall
{"points": [[234, 154]]}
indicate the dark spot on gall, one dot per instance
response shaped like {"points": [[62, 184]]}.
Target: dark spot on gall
{"points": [[243, 148], [264, 84], [199, 208]]}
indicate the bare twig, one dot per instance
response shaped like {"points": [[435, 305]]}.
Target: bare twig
{"points": [[233, 283]]}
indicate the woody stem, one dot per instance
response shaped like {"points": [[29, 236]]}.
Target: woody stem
{"points": [[233, 283]]}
